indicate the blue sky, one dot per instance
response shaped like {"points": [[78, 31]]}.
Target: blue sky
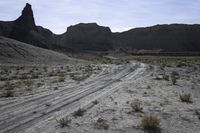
{"points": [[119, 15]]}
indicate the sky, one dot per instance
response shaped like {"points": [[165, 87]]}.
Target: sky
{"points": [[119, 15]]}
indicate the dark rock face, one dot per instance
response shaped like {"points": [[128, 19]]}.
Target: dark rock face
{"points": [[92, 37], [173, 38], [24, 24], [88, 37], [25, 30], [5, 28]]}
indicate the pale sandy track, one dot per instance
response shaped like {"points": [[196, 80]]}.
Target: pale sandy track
{"points": [[19, 115]]}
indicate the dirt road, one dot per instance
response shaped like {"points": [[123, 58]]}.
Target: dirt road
{"points": [[22, 113]]}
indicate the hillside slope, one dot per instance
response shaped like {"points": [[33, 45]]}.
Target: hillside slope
{"points": [[12, 51]]}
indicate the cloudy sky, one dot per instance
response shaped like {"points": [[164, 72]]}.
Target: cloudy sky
{"points": [[119, 15]]}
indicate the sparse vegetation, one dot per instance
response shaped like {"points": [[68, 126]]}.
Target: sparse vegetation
{"points": [[197, 113], [65, 121], [174, 77], [79, 77], [101, 124], [80, 112], [185, 98], [135, 107], [166, 77], [8, 86], [95, 102], [61, 79], [150, 124], [9, 89], [9, 93]]}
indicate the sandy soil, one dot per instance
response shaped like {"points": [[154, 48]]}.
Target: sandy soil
{"points": [[103, 91]]}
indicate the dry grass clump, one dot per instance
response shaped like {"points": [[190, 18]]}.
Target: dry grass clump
{"points": [[9, 93], [150, 124], [166, 77], [9, 89], [61, 79], [136, 107], [65, 121], [95, 102], [174, 77], [185, 98], [79, 112], [101, 124], [197, 113]]}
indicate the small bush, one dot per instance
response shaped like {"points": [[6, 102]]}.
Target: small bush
{"points": [[185, 97], [136, 107], [9, 86], [9, 93], [166, 77], [95, 102], [197, 113], [150, 123], [79, 112], [101, 124], [28, 82], [65, 121], [173, 78], [61, 79]]}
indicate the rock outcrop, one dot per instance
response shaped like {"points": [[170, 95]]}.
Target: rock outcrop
{"points": [[89, 37], [24, 24], [92, 37], [168, 38]]}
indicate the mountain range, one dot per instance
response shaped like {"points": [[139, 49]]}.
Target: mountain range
{"points": [[92, 37]]}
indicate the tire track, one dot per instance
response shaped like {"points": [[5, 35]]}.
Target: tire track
{"points": [[21, 120]]}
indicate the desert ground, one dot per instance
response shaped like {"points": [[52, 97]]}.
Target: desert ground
{"points": [[96, 97]]}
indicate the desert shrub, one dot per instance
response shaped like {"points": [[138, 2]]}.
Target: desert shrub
{"points": [[197, 113], [101, 124], [162, 66], [65, 121], [23, 76], [166, 77], [150, 123], [174, 77], [79, 77], [39, 84], [95, 102], [35, 76], [136, 107], [148, 87], [28, 82], [79, 112], [9, 93], [181, 64], [45, 69], [185, 97], [3, 78], [8, 86], [61, 79]]}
